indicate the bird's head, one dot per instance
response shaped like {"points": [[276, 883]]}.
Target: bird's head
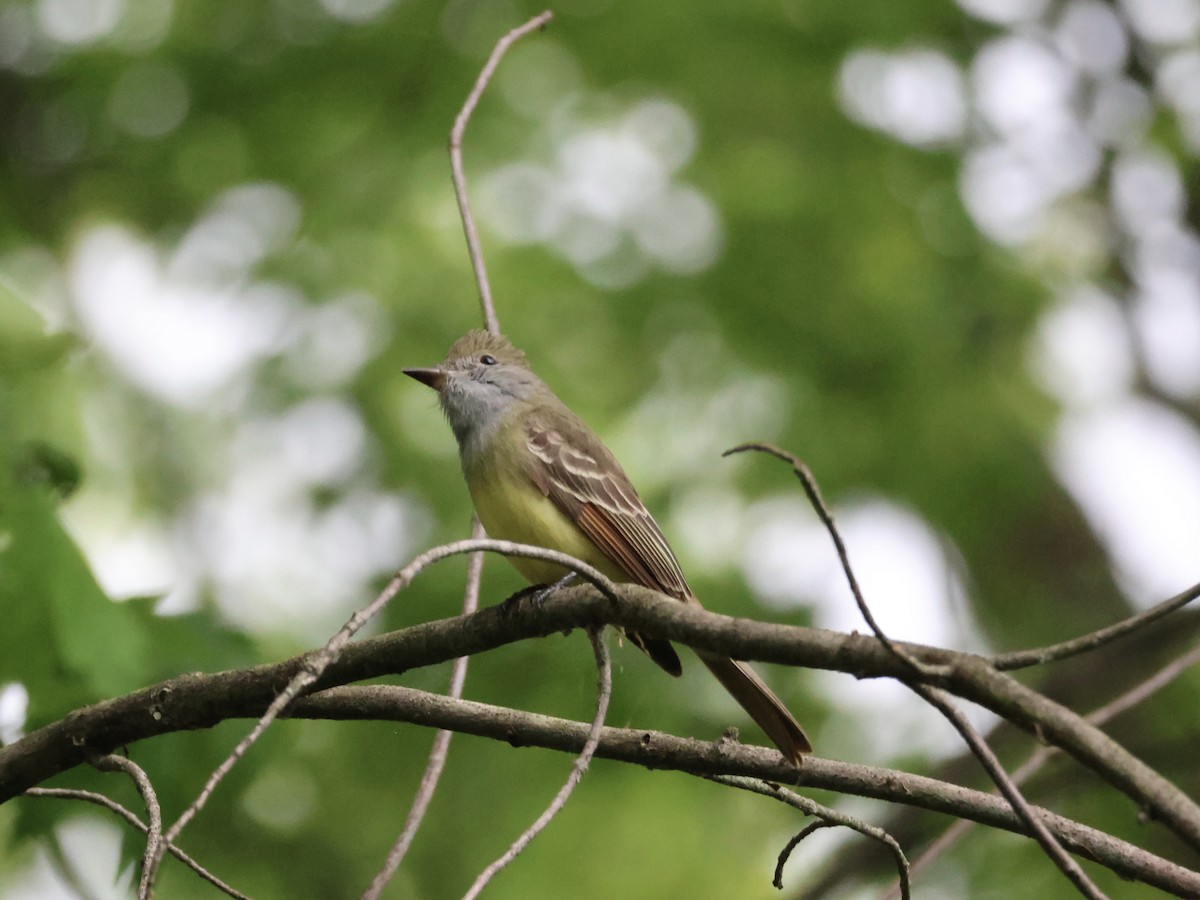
{"points": [[481, 379]]}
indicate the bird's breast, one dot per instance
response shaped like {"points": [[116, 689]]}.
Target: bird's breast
{"points": [[512, 508]]}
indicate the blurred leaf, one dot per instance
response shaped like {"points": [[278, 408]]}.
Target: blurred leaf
{"points": [[88, 646], [39, 463]]}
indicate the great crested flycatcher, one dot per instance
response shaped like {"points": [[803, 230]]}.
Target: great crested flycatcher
{"points": [[538, 475]]}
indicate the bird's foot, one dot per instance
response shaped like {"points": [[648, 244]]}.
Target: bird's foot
{"points": [[536, 594], [544, 593], [511, 604]]}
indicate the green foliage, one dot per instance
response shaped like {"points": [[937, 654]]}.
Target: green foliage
{"points": [[87, 648]]}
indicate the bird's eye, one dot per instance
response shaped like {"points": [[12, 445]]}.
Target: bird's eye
{"points": [[487, 359]]}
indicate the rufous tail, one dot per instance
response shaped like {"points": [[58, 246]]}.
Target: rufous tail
{"points": [[763, 706]]}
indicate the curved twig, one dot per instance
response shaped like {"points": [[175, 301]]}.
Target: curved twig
{"points": [[813, 491], [798, 838], [130, 817], [154, 836], [938, 699], [604, 678], [441, 740], [315, 664], [1019, 659], [827, 816], [456, 164]]}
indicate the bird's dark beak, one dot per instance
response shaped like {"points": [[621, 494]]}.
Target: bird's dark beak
{"points": [[435, 377]]}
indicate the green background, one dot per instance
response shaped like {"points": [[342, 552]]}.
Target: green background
{"points": [[847, 308]]}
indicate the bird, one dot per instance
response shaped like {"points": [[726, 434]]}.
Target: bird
{"points": [[538, 475]]}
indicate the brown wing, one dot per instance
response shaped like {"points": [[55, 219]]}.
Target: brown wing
{"points": [[584, 480]]}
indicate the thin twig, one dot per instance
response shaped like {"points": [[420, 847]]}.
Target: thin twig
{"points": [[811, 489], [441, 740], [1023, 658], [131, 817], [604, 664], [1039, 757], [475, 567], [456, 164], [154, 836], [1147, 688], [934, 696], [828, 817], [1049, 843], [316, 663], [797, 839]]}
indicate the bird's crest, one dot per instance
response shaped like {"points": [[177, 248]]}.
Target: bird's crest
{"points": [[475, 343]]}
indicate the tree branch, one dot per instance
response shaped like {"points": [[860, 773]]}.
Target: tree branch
{"points": [[827, 818], [1020, 659], [1038, 758], [133, 820], [456, 164], [709, 759], [655, 750], [936, 698], [199, 701], [604, 695]]}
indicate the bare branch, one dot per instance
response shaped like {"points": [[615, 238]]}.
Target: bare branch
{"points": [[199, 701], [828, 818], [1023, 808], [813, 491], [132, 819], [938, 699], [441, 740], [456, 164], [655, 750], [1041, 755], [154, 836], [314, 664], [604, 664], [1020, 659]]}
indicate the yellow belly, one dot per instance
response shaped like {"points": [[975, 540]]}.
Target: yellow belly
{"points": [[513, 509]]}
